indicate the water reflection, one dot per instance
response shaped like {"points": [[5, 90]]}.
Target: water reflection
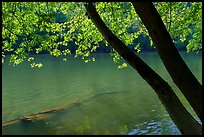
{"points": [[113, 101], [160, 125]]}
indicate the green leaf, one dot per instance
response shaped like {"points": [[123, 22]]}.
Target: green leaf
{"points": [[30, 59], [64, 59], [137, 47], [124, 65]]}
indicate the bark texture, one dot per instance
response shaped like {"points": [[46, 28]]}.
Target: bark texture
{"points": [[175, 65], [181, 117]]}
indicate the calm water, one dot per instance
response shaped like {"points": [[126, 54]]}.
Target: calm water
{"points": [[109, 100]]}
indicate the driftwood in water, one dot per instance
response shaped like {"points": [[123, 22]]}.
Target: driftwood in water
{"points": [[47, 113], [41, 115]]}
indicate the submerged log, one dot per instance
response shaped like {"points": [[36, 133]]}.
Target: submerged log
{"points": [[10, 122], [34, 118], [41, 115]]}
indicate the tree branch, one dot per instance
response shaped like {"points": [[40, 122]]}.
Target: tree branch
{"points": [[174, 107], [175, 65]]}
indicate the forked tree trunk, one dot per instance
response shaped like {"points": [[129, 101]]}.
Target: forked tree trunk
{"points": [[178, 70], [181, 117]]}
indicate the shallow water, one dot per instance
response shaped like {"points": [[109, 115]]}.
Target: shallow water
{"points": [[109, 100]]}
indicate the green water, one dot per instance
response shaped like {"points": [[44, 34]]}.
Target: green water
{"points": [[111, 100]]}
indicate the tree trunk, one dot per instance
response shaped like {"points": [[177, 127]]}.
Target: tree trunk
{"points": [[181, 117], [178, 70]]}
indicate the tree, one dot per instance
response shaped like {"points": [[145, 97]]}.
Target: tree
{"points": [[163, 90], [180, 73], [34, 26]]}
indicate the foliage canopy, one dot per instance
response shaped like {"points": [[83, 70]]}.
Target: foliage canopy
{"points": [[34, 27]]}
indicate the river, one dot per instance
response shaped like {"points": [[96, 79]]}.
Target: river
{"points": [[108, 100]]}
